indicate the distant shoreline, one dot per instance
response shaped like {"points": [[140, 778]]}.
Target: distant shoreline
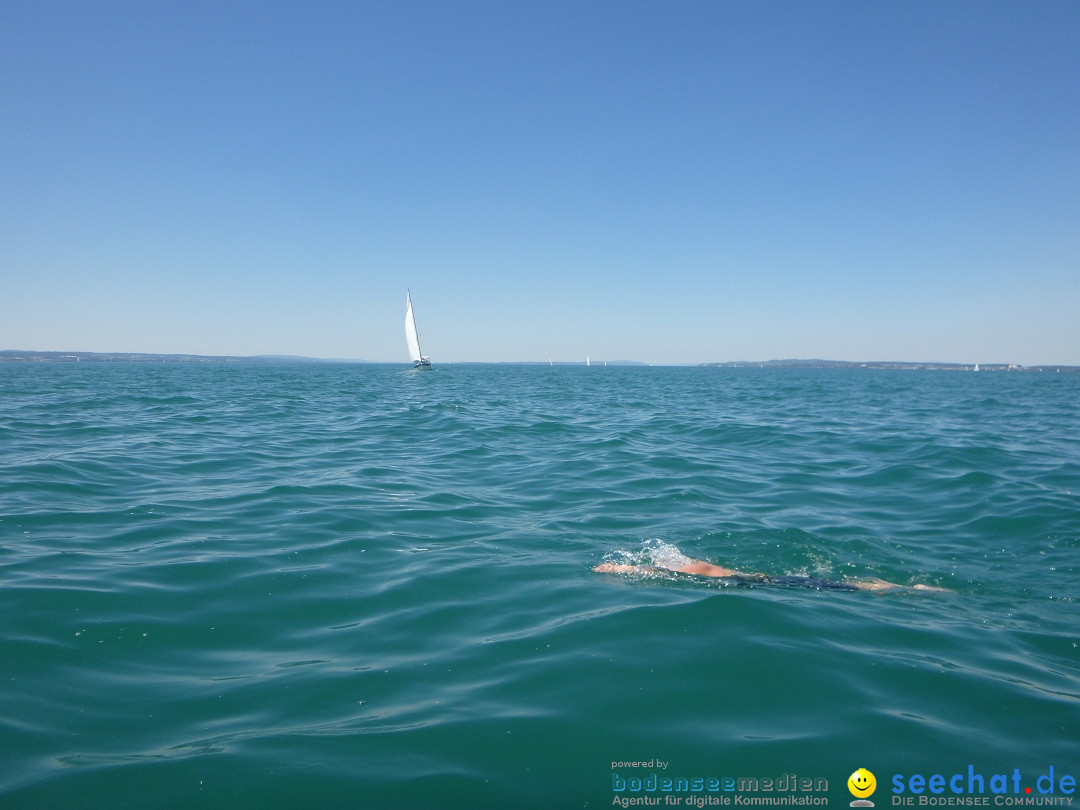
{"points": [[884, 364], [20, 356]]}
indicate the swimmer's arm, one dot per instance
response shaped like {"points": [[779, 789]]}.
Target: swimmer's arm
{"points": [[881, 586], [698, 567], [620, 568], [705, 569]]}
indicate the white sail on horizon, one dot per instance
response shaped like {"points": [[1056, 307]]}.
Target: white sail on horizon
{"points": [[411, 336]]}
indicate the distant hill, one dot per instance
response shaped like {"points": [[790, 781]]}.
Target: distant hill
{"points": [[878, 364]]}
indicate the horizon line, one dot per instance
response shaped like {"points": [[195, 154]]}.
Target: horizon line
{"points": [[27, 355]]}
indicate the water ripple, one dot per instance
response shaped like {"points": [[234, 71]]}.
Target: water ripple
{"points": [[209, 574]]}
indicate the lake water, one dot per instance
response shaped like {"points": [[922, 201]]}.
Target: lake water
{"points": [[323, 585]]}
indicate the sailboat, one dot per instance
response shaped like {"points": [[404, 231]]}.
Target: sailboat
{"points": [[411, 338]]}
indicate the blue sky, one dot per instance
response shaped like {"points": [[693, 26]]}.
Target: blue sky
{"points": [[669, 182]]}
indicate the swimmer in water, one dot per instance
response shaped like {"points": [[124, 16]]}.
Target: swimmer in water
{"points": [[685, 565]]}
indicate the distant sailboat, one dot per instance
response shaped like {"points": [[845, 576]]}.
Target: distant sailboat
{"points": [[587, 360], [411, 338], [976, 366]]}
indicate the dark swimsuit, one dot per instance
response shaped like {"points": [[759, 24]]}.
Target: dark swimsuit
{"points": [[797, 582]]}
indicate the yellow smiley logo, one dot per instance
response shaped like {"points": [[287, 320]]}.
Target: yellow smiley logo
{"points": [[861, 783]]}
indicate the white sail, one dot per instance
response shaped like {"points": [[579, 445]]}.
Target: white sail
{"points": [[410, 331]]}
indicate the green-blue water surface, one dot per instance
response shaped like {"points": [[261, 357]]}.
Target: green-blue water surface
{"points": [[321, 585]]}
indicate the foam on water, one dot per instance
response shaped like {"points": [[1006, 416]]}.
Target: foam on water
{"points": [[654, 553]]}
